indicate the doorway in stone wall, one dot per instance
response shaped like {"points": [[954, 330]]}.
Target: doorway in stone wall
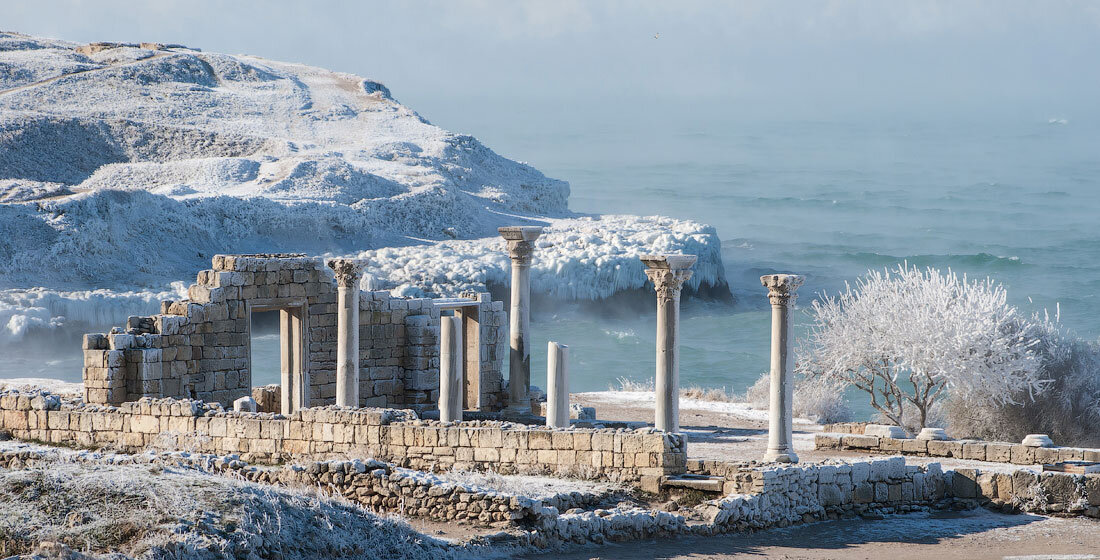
{"points": [[277, 354]]}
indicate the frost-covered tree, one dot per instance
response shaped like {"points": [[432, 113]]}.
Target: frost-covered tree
{"points": [[909, 338]]}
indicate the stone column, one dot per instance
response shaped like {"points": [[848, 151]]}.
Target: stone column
{"points": [[450, 369], [781, 288], [348, 272], [288, 387], [557, 385], [668, 274], [520, 247]]}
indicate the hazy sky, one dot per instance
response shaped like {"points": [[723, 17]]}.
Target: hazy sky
{"points": [[814, 59]]}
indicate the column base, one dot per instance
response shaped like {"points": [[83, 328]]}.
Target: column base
{"points": [[780, 456]]}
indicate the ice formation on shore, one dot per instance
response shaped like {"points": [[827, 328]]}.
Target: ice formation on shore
{"points": [[578, 258], [126, 167]]}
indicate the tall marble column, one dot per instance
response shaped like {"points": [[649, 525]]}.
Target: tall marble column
{"points": [[781, 292], [668, 274], [348, 272], [557, 385], [451, 363], [520, 247]]}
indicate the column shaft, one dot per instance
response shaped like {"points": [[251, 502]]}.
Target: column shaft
{"points": [[667, 383], [347, 346], [519, 352], [347, 272], [450, 369], [286, 358], [557, 385]]}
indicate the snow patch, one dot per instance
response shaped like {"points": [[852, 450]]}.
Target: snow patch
{"points": [[647, 399]]}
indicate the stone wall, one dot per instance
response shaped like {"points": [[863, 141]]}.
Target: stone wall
{"points": [[199, 348], [344, 433], [378, 485], [997, 452]]}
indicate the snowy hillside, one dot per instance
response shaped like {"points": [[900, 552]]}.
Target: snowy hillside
{"points": [[125, 167]]}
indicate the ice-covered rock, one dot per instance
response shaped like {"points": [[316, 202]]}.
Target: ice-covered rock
{"points": [[129, 166]]}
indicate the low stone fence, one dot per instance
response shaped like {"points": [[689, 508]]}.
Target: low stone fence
{"points": [[997, 452], [345, 433]]}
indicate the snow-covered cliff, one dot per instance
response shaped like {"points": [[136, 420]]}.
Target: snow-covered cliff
{"points": [[125, 167]]}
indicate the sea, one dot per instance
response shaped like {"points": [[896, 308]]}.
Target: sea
{"points": [[1014, 198]]}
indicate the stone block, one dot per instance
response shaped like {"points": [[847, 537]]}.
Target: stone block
{"points": [[860, 442], [861, 472], [974, 451], [827, 441], [1022, 455], [945, 448], [914, 447], [964, 483], [998, 452]]}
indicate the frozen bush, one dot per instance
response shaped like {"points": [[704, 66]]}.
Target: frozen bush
{"points": [[815, 399], [1068, 410], [821, 401]]}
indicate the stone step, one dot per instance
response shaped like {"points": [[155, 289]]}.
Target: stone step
{"points": [[699, 482]]}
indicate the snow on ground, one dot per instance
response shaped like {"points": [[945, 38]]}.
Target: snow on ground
{"points": [[536, 487], [127, 169], [646, 399]]}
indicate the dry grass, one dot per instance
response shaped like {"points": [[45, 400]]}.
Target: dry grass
{"points": [[691, 392]]}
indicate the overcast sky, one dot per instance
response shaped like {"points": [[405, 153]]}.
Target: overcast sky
{"points": [[810, 59]]}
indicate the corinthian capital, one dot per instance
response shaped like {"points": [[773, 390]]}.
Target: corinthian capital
{"points": [[668, 273], [348, 271], [521, 242], [781, 287]]}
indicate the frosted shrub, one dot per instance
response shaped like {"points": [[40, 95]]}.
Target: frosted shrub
{"points": [[1068, 410], [820, 400], [815, 398], [629, 385], [758, 394], [910, 338]]}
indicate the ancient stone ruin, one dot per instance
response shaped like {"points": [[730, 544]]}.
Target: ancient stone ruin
{"points": [[373, 385], [199, 348]]}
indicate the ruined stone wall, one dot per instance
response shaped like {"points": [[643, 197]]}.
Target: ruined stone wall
{"points": [[773, 496], [997, 452], [340, 433], [779, 496], [200, 347]]}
